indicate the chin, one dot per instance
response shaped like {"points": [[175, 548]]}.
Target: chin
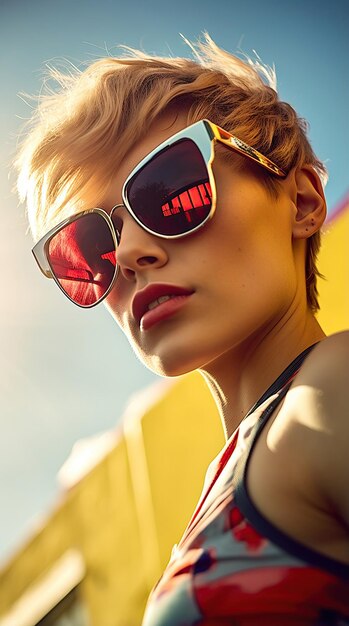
{"points": [[167, 367], [173, 362]]}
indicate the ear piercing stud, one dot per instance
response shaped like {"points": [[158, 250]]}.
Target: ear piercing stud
{"points": [[312, 223]]}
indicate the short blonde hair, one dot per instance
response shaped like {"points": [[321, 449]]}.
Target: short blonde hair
{"points": [[82, 131]]}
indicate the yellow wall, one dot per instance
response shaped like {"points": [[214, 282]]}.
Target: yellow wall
{"points": [[98, 519], [334, 264], [123, 516]]}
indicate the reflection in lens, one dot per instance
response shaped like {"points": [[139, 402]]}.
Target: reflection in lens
{"points": [[171, 194], [83, 259]]}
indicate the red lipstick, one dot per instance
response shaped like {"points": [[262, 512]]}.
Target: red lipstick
{"points": [[157, 302]]}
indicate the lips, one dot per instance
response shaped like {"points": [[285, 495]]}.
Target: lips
{"points": [[151, 293]]}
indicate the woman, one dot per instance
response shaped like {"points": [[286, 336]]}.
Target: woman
{"points": [[204, 251]]}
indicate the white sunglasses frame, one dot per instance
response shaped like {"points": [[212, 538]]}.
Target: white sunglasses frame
{"points": [[204, 134]]}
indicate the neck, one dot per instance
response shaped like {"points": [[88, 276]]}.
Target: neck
{"points": [[239, 377]]}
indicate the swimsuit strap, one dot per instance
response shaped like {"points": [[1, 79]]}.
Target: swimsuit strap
{"points": [[286, 376]]}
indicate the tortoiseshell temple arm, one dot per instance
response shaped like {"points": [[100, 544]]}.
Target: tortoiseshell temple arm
{"points": [[242, 147]]}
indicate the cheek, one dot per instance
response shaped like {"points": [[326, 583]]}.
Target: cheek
{"points": [[115, 306], [251, 257], [268, 268], [118, 305]]}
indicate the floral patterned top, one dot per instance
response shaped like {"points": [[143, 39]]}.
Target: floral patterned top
{"points": [[233, 567]]}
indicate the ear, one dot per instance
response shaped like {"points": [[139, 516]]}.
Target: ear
{"points": [[310, 203]]}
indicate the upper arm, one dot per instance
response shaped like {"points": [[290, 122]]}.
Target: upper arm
{"points": [[318, 407]]}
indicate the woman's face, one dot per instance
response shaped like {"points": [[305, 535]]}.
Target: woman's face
{"points": [[238, 272]]}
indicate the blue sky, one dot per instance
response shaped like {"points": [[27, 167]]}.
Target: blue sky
{"points": [[67, 374]]}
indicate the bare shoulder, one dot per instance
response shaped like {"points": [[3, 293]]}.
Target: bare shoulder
{"points": [[322, 387], [314, 421], [327, 366], [319, 395]]}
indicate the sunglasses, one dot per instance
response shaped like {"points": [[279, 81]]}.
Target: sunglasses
{"points": [[171, 193]]}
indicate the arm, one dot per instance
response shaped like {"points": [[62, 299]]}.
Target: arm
{"points": [[319, 402]]}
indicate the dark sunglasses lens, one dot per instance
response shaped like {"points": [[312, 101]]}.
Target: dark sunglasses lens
{"points": [[171, 194], [83, 260]]}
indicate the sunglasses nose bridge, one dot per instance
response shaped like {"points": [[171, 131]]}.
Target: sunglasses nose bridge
{"points": [[138, 250], [124, 218], [117, 206]]}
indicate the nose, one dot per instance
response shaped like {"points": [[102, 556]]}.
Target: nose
{"points": [[138, 250]]}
